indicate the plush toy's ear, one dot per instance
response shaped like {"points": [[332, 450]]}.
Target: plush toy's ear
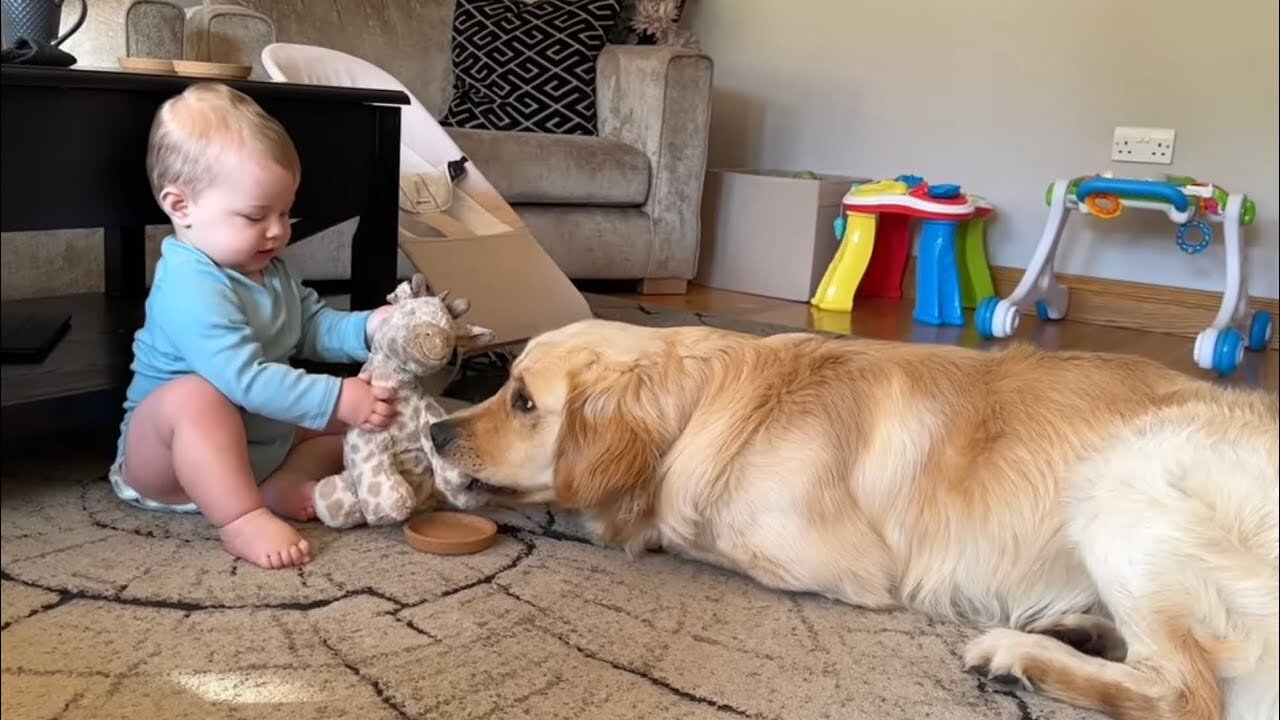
{"points": [[471, 336], [418, 285], [457, 307], [402, 292]]}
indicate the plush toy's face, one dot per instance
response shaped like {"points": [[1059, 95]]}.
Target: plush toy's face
{"points": [[423, 329]]}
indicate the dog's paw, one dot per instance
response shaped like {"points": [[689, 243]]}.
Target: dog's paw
{"points": [[997, 657], [1089, 634]]}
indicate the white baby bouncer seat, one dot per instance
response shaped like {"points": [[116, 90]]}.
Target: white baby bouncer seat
{"points": [[458, 232]]}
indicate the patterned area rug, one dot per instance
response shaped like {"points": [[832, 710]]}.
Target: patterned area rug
{"points": [[110, 612]]}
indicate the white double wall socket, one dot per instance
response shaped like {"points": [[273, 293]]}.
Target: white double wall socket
{"points": [[1143, 145]]}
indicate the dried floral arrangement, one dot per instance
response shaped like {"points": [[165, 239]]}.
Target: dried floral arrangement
{"points": [[651, 22], [656, 22]]}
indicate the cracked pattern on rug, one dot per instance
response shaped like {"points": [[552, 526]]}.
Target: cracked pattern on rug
{"points": [[112, 612]]}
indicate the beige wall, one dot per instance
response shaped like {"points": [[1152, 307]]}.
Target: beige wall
{"points": [[1003, 96]]}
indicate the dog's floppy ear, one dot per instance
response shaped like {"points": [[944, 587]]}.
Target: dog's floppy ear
{"points": [[611, 441]]}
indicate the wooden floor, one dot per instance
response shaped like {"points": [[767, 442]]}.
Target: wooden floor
{"points": [[891, 320]]}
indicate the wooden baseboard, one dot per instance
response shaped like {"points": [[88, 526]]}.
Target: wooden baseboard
{"points": [[664, 286], [1117, 303]]}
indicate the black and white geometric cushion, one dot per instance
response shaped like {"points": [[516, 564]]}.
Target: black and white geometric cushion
{"points": [[528, 66]]}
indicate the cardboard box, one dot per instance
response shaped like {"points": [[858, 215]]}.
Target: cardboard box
{"points": [[769, 232]]}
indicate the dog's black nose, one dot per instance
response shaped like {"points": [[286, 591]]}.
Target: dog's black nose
{"points": [[443, 433]]}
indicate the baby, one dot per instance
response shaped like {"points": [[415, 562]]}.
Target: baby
{"points": [[216, 420]]}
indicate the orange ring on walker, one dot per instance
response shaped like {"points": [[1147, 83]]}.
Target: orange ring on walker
{"points": [[1112, 208]]}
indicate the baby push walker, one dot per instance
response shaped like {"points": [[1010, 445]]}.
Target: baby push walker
{"points": [[1192, 206]]}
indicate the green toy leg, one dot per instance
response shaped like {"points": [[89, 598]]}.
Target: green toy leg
{"points": [[975, 273]]}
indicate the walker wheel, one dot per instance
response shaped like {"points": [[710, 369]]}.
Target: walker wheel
{"points": [[1260, 329], [1042, 312], [983, 316], [1228, 351]]}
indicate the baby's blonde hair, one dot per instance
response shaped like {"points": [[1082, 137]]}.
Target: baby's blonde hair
{"points": [[191, 130]]}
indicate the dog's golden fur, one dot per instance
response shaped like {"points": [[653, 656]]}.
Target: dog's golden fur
{"points": [[1098, 500]]}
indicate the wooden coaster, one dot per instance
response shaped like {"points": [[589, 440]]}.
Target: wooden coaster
{"points": [[450, 533], [227, 71], [154, 66]]}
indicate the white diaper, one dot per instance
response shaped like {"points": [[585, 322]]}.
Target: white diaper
{"points": [[131, 496]]}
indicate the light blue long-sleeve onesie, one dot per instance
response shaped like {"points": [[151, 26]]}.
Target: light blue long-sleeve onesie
{"points": [[240, 335]]}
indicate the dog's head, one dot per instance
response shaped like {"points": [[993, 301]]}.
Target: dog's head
{"points": [[583, 422]]}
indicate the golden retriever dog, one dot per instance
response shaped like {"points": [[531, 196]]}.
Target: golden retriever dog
{"points": [[1111, 523]]}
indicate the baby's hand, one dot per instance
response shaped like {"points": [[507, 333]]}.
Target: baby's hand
{"points": [[366, 406]]}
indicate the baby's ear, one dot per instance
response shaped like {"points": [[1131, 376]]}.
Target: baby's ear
{"points": [[174, 202], [472, 336]]}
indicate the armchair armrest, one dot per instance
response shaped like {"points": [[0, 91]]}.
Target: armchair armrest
{"points": [[658, 99]]}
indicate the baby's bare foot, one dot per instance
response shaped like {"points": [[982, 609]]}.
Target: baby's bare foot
{"points": [[265, 540], [290, 497]]}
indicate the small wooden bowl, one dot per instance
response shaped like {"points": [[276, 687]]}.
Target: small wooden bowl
{"points": [[155, 66], [450, 533], [193, 68]]}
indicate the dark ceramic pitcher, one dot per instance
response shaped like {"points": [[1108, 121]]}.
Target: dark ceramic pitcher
{"points": [[37, 20]]}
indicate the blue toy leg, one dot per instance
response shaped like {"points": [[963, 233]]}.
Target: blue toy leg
{"points": [[937, 275], [949, 295]]}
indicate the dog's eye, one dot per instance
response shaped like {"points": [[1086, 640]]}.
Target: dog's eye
{"points": [[521, 402]]}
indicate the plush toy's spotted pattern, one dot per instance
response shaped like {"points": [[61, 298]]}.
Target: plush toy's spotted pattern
{"points": [[390, 474]]}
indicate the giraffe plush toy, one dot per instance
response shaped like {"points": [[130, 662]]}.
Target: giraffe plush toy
{"points": [[390, 474]]}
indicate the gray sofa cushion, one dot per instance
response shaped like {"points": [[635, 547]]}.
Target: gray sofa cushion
{"points": [[544, 169], [593, 242]]}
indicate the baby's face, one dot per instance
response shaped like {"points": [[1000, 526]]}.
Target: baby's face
{"points": [[241, 220]]}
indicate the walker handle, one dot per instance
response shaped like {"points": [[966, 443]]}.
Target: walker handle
{"points": [[1125, 187]]}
